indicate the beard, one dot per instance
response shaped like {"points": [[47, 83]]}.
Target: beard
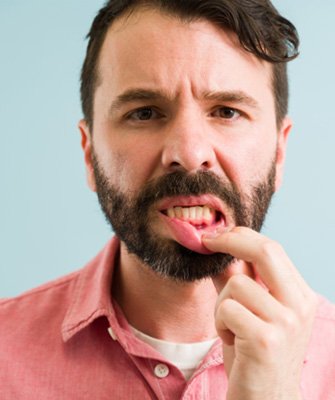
{"points": [[129, 216]]}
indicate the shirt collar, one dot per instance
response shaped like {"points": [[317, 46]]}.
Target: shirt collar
{"points": [[91, 292], [91, 298]]}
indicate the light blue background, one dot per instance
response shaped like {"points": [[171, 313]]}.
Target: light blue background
{"points": [[51, 224]]}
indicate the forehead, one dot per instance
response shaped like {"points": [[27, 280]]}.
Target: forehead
{"points": [[149, 48]]}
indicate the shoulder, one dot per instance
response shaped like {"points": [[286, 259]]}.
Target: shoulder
{"points": [[47, 289], [75, 296], [59, 292], [33, 307], [39, 290], [31, 325]]}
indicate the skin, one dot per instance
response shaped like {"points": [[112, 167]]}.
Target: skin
{"points": [[265, 332], [237, 138]]}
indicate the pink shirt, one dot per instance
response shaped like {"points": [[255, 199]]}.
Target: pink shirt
{"points": [[68, 340]]}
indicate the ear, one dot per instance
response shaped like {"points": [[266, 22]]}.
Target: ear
{"points": [[281, 150], [86, 144]]}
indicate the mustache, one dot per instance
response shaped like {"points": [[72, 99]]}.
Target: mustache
{"points": [[180, 183]]}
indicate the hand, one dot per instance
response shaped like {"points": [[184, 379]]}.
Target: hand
{"points": [[265, 328]]}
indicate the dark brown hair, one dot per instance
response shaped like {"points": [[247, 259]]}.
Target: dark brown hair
{"points": [[260, 28]]}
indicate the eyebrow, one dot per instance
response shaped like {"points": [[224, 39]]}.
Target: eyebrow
{"points": [[139, 94], [231, 97], [132, 95]]}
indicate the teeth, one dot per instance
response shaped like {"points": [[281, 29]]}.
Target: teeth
{"points": [[171, 213], [198, 213], [185, 212], [193, 211], [207, 212]]}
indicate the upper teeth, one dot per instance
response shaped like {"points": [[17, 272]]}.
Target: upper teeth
{"points": [[195, 213]]}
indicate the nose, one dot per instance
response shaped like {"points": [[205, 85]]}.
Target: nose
{"points": [[188, 144]]}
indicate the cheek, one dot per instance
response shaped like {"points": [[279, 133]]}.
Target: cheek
{"points": [[246, 162], [130, 169]]}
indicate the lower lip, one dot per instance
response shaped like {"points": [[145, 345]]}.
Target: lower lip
{"points": [[188, 235]]}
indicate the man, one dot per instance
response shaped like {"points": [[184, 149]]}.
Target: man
{"points": [[184, 138]]}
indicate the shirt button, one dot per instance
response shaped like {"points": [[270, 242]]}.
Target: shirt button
{"points": [[161, 371]]}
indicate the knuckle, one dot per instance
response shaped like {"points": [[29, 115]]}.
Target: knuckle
{"points": [[290, 321], [225, 306], [223, 311], [236, 282], [269, 341], [220, 308], [269, 248]]}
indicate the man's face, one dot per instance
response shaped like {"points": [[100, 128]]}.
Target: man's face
{"points": [[184, 142]]}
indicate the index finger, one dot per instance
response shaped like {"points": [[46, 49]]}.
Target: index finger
{"points": [[268, 259]]}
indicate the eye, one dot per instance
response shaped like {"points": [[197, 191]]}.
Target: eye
{"points": [[226, 113], [143, 114]]}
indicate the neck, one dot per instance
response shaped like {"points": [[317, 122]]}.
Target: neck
{"points": [[162, 308]]}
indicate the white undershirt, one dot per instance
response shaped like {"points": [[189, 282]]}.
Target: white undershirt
{"points": [[185, 356]]}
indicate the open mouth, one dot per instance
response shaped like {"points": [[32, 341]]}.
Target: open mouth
{"points": [[188, 218], [201, 216]]}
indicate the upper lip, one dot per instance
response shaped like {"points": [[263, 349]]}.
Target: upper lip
{"points": [[192, 201]]}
